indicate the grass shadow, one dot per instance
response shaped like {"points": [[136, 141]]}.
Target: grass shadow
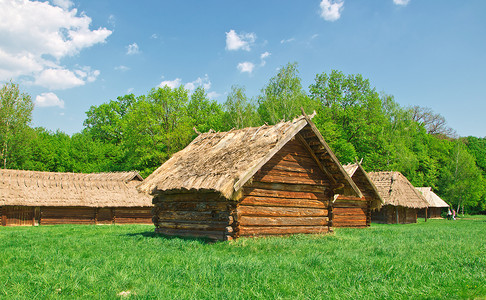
{"points": [[152, 234]]}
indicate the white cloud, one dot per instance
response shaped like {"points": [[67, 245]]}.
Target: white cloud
{"points": [[112, 20], [213, 95], [242, 41], [64, 4], [133, 49], [60, 79], [171, 83], [314, 36], [122, 68], [401, 2], [154, 36], [35, 36], [287, 41], [263, 56], [204, 82], [246, 67], [48, 100], [331, 9]]}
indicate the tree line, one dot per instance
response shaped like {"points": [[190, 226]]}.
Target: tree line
{"points": [[141, 132]]}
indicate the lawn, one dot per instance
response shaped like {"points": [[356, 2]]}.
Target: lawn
{"points": [[433, 259]]}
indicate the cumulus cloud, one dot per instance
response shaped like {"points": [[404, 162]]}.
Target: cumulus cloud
{"points": [[204, 82], [122, 68], [171, 83], [133, 49], [213, 95], [263, 56], [287, 41], [35, 36], [246, 67], [61, 79], [331, 9], [48, 100], [242, 41], [401, 2], [64, 4]]}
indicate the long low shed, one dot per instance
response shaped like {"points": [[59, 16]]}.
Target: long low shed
{"points": [[352, 211], [47, 198], [268, 180], [401, 200], [436, 204]]}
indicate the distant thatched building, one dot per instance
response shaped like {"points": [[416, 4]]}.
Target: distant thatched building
{"points": [[352, 211], [436, 204], [402, 200], [33, 198], [265, 180]]}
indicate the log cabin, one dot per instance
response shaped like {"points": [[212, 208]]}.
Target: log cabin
{"points": [[436, 204], [401, 200], [47, 198], [352, 211], [269, 180]]}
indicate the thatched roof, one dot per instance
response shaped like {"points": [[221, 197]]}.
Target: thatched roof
{"points": [[364, 183], [225, 161], [396, 190], [432, 198], [33, 188]]}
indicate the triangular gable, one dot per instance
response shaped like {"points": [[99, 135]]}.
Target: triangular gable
{"points": [[225, 161], [355, 171]]}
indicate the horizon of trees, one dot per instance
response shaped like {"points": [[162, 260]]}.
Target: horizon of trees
{"points": [[141, 132]]}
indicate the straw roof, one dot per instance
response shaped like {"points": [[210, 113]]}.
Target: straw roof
{"points": [[364, 183], [33, 188], [396, 190], [225, 161], [432, 198]]}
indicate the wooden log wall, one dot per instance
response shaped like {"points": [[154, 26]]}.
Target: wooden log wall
{"points": [[28, 216], [351, 212], [194, 214], [388, 214], [289, 195], [432, 213]]}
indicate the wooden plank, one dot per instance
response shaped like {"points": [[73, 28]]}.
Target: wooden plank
{"points": [[249, 174], [283, 202], [318, 162], [338, 211], [196, 206], [285, 187], [4, 215], [196, 226], [350, 204], [281, 230], [194, 215], [265, 211], [282, 221], [285, 178]]}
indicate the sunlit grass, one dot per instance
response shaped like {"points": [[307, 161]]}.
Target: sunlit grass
{"points": [[433, 259]]}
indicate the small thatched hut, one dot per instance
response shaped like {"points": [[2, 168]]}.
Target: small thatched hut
{"points": [[436, 204], [352, 211], [402, 200], [34, 198], [267, 180]]}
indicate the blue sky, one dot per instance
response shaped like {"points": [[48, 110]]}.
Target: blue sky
{"points": [[70, 55]]}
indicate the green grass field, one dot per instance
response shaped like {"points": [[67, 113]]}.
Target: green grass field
{"points": [[433, 259]]}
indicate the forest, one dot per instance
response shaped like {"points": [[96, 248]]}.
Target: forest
{"points": [[140, 132]]}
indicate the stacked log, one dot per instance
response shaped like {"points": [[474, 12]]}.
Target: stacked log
{"points": [[197, 214]]}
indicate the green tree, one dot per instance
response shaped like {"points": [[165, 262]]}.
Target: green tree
{"points": [[205, 114], [240, 112], [282, 98], [350, 115], [15, 117]]}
